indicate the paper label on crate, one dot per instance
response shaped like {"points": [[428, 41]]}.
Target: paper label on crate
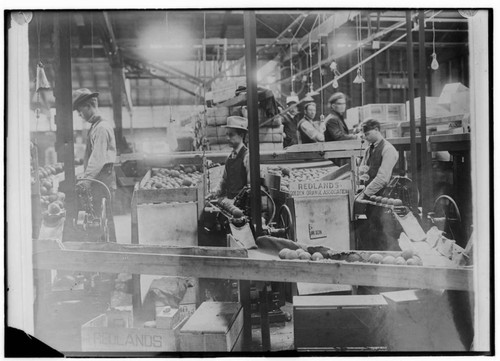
{"points": [[317, 230], [320, 188]]}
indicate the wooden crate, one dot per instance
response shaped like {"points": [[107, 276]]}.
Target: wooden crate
{"points": [[384, 113], [332, 322], [97, 336], [166, 216], [214, 327]]}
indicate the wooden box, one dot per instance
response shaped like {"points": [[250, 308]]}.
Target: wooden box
{"points": [[339, 322], [214, 327], [166, 216], [384, 113], [97, 336]]}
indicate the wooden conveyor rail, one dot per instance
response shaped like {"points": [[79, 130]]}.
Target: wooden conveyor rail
{"points": [[114, 258]]}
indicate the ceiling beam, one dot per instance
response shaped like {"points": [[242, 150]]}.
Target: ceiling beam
{"points": [[280, 37], [114, 54], [138, 66]]}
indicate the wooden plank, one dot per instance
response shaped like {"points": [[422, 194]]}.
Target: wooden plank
{"points": [[339, 301], [337, 272], [167, 195], [326, 146], [44, 245]]}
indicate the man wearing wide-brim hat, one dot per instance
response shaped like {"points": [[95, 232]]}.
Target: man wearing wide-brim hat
{"points": [[100, 151], [237, 170]]}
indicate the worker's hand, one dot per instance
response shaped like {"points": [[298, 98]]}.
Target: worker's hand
{"points": [[363, 169], [359, 197], [83, 186]]}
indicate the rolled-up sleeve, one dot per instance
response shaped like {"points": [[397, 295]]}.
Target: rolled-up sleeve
{"points": [[312, 132], [389, 159], [100, 153]]}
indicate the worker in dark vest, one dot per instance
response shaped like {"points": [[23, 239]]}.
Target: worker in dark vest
{"points": [[237, 170], [336, 128], [100, 152], [306, 131], [376, 171], [290, 122]]}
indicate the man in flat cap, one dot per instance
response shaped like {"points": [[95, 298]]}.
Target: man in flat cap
{"points": [[376, 170], [290, 122], [306, 130], [237, 170], [336, 128], [100, 151]]}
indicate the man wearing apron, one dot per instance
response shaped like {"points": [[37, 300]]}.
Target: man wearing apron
{"points": [[100, 152], [306, 131], [237, 170], [376, 169]]}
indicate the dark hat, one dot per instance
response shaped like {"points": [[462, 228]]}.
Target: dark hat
{"points": [[82, 95], [370, 124], [307, 101], [292, 99], [236, 122], [336, 96]]}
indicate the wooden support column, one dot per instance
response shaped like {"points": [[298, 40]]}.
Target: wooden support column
{"points": [[411, 99], [64, 116], [116, 99], [253, 118], [426, 175]]}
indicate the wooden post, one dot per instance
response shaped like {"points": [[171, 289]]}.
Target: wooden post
{"points": [[426, 175], [264, 318], [64, 117], [253, 118], [411, 99], [247, 314], [116, 97]]}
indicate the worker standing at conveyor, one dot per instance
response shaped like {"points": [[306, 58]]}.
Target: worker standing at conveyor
{"points": [[376, 171], [237, 169], [336, 128], [290, 122], [306, 131], [100, 151]]}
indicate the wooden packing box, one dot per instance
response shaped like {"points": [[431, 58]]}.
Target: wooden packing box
{"points": [[214, 327], [331, 322], [97, 336], [384, 113], [166, 216]]}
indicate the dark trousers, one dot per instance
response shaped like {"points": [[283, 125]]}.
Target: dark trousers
{"points": [[98, 193], [380, 232]]}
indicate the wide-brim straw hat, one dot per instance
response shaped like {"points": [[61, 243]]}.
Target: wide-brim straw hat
{"points": [[82, 95], [236, 122]]}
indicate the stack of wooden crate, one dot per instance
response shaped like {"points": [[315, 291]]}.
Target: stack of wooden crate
{"points": [[214, 133]]}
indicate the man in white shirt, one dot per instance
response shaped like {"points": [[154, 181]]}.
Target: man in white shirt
{"points": [[100, 151], [376, 170]]}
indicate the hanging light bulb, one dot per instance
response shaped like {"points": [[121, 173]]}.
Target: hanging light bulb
{"points": [[359, 78], [434, 63], [304, 78], [333, 66], [335, 83]]}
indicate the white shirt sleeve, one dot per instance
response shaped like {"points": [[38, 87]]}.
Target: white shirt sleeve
{"points": [[389, 159], [312, 132]]}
